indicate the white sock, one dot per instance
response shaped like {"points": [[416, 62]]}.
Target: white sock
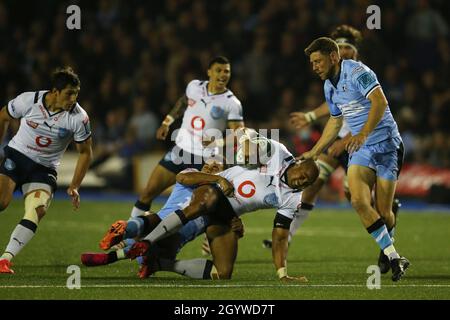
{"points": [[170, 225], [391, 252], [21, 235], [135, 212]]}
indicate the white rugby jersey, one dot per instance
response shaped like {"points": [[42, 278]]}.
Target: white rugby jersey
{"points": [[254, 190], [205, 111], [43, 136]]}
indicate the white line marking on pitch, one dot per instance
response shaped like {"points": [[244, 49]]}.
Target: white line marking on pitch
{"points": [[224, 286]]}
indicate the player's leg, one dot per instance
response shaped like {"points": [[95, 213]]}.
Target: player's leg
{"points": [[7, 186], [361, 181], [160, 179], [137, 227], [223, 244], [37, 200], [388, 168], [204, 200]]}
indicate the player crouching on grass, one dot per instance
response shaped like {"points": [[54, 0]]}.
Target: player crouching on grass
{"points": [[121, 234], [277, 184]]}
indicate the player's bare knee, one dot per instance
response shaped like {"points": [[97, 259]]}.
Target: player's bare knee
{"points": [[210, 197], [360, 205], [225, 272]]}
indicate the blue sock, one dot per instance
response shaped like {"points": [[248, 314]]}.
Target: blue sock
{"points": [[135, 228], [380, 233]]}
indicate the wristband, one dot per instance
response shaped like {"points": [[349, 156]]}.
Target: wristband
{"points": [[168, 120], [282, 272], [310, 116]]}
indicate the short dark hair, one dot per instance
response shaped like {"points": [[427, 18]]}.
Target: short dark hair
{"points": [[352, 35], [219, 60], [323, 44], [62, 77]]}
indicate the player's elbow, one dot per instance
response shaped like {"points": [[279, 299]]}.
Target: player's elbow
{"points": [[181, 178]]}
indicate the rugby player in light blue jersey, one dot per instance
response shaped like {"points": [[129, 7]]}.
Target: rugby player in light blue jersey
{"points": [[353, 93]]}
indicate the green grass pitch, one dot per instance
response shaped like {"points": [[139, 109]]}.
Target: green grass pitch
{"points": [[331, 249]]}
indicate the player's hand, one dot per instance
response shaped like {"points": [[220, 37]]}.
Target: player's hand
{"points": [[355, 142], [298, 279], [298, 120], [226, 187], [308, 155], [336, 149], [161, 133], [237, 226], [73, 193]]}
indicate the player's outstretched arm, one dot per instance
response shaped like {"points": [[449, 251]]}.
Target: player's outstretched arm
{"points": [[330, 133], [4, 121], [200, 178], [280, 245], [300, 120], [176, 112], [84, 160]]}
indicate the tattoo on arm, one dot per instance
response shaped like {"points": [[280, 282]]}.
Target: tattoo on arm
{"points": [[179, 108]]}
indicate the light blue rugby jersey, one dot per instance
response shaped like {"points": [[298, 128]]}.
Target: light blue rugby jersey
{"points": [[349, 98], [178, 199]]}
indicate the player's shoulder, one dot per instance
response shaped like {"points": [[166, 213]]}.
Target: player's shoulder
{"points": [[29, 97], [196, 83], [353, 67], [231, 98], [78, 113]]}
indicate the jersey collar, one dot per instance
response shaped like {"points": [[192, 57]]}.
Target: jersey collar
{"points": [[335, 80], [46, 108]]}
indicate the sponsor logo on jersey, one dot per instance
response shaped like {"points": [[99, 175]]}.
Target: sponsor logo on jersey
{"points": [[217, 112], [49, 126], [9, 164], [63, 133], [366, 79], [357, 69], [43, 142], [250, 189], [32, 124], [271, 200], [44, 114], [191, 102], [197, 123]]}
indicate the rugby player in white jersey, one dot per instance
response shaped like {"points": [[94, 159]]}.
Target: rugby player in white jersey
{"points": [[49, 121], [206, 105], [273, 184]]}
